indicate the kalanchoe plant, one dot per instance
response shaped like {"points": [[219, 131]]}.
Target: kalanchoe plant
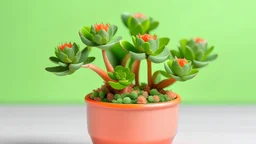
{"points": [[69, 59], [196, 50], [138, 23], [122, 59]]}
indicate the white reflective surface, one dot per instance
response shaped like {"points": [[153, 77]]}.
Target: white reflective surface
{"points": [[67, 125]]}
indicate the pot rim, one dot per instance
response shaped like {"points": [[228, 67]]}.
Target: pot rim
{"points": [[133, 106]]}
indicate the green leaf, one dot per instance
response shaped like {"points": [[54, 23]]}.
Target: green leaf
{"points": [[130, 76], [183, 45], [111, 75], [146, 48], [104, 34], [75, 48], [74, 67], [192, 75], [163, 41], [97, 39], [56, 69], [177, 78], [158, 59], [86, 33], [177, 69], [189, 54], [164, 73], [54, 60], [175, 53], [212, 57], [131, 22], [153, 45], [84, 54], [64, 73], [124, 82], [116, 85], [167, 66], [138, 56], [134, 40], [153, 24], [199, 55], [128, 46], [118, 68], [159, 50], [208, 52], [187, 68], [86, 41], [77, 57], [63, 57], [125, 17], [137, 30], [89, 60], [110, 44], [62, 64], [198, 64], [69, 52], [145, 24]]}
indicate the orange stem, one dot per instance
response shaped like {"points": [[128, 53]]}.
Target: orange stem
{"points": [[136, 70], [165, 83], [149, 73], [99, 71], [107, 62]]}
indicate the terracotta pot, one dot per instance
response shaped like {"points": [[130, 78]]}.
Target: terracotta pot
{"points": [[110, 123]]}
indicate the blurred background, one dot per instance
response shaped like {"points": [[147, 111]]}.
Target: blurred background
{"points": [[31, 29]]}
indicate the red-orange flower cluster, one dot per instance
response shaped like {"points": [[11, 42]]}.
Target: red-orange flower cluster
{"points": [[182, 62], [199, 40], [147, 37], [99, 27], [139, 15], [69, 45]]}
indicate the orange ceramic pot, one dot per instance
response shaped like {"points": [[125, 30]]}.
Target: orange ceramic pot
{"points": [[110, 123]]}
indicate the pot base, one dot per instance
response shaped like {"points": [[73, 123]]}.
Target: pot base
{"points": [[102, 141]]}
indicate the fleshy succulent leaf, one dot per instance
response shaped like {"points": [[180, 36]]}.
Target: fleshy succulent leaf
{"points": [[163, 41], [111, 75], [116, 85], [167, 66], [212, 57], [189, 54], [75, 48], [84, 54], [198, 64], [128, 46], [153, 25], [175, 53], [85, 31], [208, 52], [54, 60], [56, 69], [63, 57], [64, 73], [69, 52], [177, 69], [62, 64], [138, 56], [89, 60], [86, 41], [124, 82], [97, 39], [74, 67], [145, 24], [199, 55], [110, 44], [125, 17]]}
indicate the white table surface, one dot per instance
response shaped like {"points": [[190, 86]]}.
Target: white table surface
{"points": [[67, 125]]}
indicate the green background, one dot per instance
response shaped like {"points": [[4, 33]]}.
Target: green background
{"points": [[30, 29]]}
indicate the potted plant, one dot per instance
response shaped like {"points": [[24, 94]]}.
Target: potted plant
{"points": [[124, 110]]}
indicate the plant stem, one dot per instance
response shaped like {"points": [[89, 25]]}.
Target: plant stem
{"points": [[165, 83], [149, 73], [136, 71], [99, 71], [107, 62]]}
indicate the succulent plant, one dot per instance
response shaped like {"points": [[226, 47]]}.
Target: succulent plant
{"points": [[195, 50], [69, 59], [147, 46], [99, 35], [180, 69], [123, 77], [138, 23]]}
